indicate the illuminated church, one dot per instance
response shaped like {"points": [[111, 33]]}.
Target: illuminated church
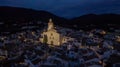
{"points": [[52, 36]]}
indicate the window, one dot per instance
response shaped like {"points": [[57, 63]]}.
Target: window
{"points": [[64, 39], [51, 34], [52, 37], [51, 42]]}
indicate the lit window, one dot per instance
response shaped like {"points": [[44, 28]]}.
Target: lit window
{"points": [[64, 40], [51, 34], [53, 38]]}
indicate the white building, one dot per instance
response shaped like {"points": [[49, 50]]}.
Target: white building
{"points": [[52, 36]]}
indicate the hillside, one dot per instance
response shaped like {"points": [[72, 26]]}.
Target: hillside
{"points": [[97, 21], [21, 16]]}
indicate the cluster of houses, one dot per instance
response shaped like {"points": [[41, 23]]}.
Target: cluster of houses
{"points": [[60, 47]]}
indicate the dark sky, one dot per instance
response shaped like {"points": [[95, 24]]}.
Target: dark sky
{"points": [[68, 8]]}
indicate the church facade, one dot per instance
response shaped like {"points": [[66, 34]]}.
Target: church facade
{"points": [[51, 35]]}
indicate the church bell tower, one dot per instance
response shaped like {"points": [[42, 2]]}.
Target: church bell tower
{"points": [[50, 24]]}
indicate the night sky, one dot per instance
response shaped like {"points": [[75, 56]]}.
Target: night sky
{"points": [[68, 8]]}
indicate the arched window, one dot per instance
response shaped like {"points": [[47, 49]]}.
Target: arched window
{"points": [[52, 37], [51, 34], [51, 42]]}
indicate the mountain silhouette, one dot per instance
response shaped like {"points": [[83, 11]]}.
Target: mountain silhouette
{"points": [[21, 16]]}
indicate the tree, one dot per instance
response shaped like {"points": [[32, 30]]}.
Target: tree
{"points": [[45, 39]]}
